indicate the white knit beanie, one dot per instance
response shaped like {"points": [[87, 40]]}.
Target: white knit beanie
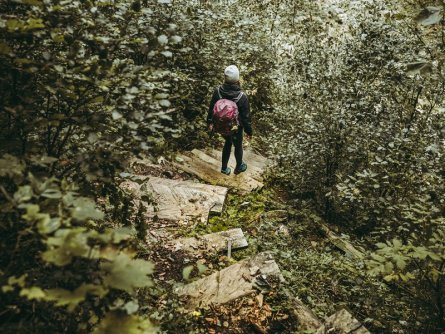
{"points": [[231, 74]]}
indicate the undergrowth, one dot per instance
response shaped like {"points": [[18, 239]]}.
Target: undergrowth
{"points": [[321, 276]]}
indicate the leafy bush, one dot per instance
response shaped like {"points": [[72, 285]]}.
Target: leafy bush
{"points": [[86, 85], [358, 126], [59, 257]]}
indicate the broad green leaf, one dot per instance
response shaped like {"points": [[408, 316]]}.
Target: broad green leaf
{"points": [[389, 267], [71, 299], [397, 244], [131, 307], [34, 24], [186, 272], [119, 323], [18, 281], [85, 208], [52, 193], [126, 274], [47, 226], [400, 263], [33, 293], [66, 244], [121, 234], [23, 194], [32, 212], [378, 258], [201, 267]]}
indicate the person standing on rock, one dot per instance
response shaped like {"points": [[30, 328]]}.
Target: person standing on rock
{"points": [[229, 115]]}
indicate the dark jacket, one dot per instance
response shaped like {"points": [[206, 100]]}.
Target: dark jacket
{"points": [[231, 92]]}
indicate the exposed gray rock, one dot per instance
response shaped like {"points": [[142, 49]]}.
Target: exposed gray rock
{"points": [[214, 242], [342, 322], [176, 200], [207, 165], [233, 282]]}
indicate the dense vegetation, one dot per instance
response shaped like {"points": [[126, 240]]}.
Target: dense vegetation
{"points": [[348, 99], [368, 144]]}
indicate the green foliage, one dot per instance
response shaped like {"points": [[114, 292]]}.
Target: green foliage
{"points": [[420, 261], [115, 323], [66, 262], [348, 97], [126, 274], [186, 272], [358, 127], [86, 85]]}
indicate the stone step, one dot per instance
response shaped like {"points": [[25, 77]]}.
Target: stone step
{"points": [[207, 166], [231, 283], [257, 163], [342, 322], [211, 243], [307, 320], [176, 200]]}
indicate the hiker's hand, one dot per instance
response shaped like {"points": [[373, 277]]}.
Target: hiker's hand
{"points": [[249, 137], [210, 127]]}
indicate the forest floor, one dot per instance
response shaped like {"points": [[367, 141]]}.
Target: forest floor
{"points": [[318, 273]]}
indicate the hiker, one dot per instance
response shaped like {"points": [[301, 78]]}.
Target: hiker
{"points": [[229, 115]]}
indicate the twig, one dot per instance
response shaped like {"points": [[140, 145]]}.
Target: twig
{"points": [[5, 193]]}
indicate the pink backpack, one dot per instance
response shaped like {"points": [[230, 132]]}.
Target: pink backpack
{"points": [[225, 115]]}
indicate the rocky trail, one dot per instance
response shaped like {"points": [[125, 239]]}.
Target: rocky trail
{"points": [[180, 195]]}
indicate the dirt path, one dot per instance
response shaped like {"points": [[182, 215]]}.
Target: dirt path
{"points": [[185, 204]]}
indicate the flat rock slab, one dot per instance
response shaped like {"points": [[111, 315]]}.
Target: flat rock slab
{"points": [[207, 167], [256, 163], [231, 283], [214, 242], [342, 322], [307, 320], [340, 243], [176, 200]]}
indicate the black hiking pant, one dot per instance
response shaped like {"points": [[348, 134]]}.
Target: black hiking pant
{"points": [[237, 140]]}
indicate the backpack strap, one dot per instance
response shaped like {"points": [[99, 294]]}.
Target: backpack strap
{"points": [[238, 97], [236, 100]]}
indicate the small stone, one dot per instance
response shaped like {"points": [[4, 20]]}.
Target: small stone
{"points": [[254, 270], [226, 324], [283, 230], [260, 299]]}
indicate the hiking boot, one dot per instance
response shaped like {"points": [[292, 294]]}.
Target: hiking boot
{"points": [[226, 171], [241, 168]]}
